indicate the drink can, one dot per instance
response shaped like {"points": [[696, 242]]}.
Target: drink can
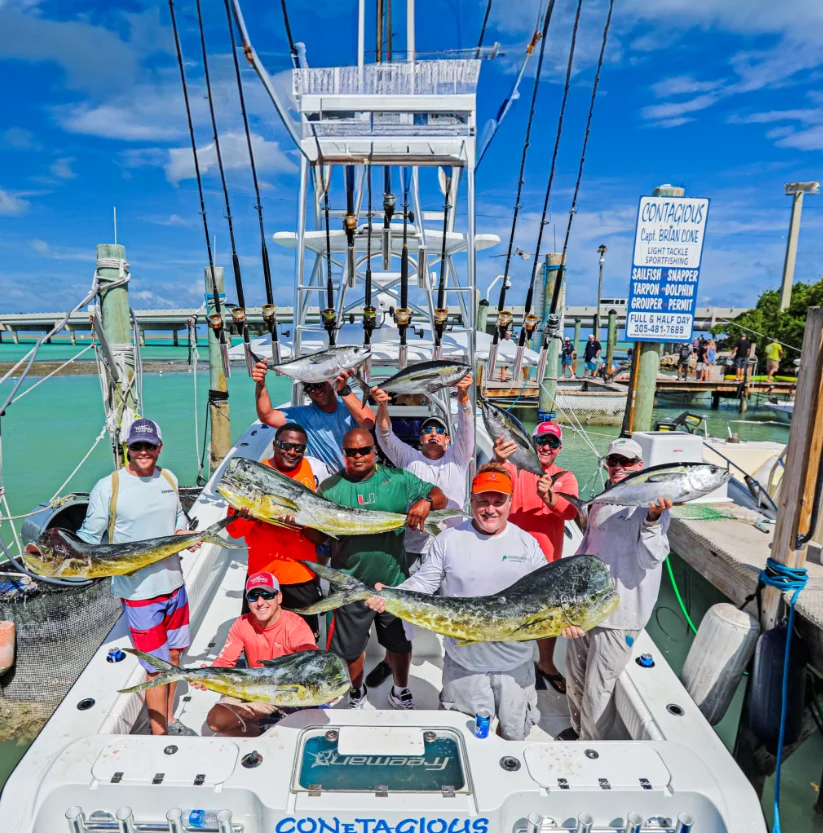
{"points": [[116, 655], [482, 723]]}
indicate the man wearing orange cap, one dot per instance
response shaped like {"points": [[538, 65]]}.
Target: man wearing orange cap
{"points": [[480, 557], [538, 509]]}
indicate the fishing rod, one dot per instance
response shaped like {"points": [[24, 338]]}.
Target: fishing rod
{"points": [[369, 312], [530, 320], [238, 313], [269, 309], [328, 315], [441, 311], [295, 55], [504, 317], [389, 203], [350, 228], [402, 316], [483, 28], [215, 320]]}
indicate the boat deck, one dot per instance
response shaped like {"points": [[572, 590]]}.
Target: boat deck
{"points": [[731, 553]]}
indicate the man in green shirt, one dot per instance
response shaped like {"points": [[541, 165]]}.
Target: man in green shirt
{"points": [[774, 353], [375, 558]]}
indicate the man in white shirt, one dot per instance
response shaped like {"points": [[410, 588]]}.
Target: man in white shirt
{"points": [[632, 542], [137, 502], [481, 557], [440, 460]]}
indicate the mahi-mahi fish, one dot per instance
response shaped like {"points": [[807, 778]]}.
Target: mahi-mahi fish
{"points": [[304, 679], [499, 423], [323, 366], [58, 553], [272, 497], [572, 591]]}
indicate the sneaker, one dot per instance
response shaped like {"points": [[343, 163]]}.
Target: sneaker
{"points": [[357, 698], [180, 729], [378, 675], [401, 698]]}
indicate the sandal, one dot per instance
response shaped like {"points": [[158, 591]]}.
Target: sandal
{"points": [[556, 681]]}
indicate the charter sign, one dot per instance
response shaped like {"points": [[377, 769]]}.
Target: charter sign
{"points": [[668, 248]]}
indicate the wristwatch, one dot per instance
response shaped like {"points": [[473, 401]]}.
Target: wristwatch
{"points": [[429, 499], [345, 390]]}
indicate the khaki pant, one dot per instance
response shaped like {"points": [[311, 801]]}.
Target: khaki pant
{"points": [[593, 664]]}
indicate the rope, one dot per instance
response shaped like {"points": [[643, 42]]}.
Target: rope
{"points": [[750, 330], [786, 580], [195, 360], [57, 370], [526, 382]]}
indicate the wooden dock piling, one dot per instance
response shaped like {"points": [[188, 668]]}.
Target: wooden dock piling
{"points": [[220, 426]]}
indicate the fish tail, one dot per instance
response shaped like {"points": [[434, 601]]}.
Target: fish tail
{"points": [[363, 386], [437, 517], [345, 589], [210, 535], [581, 506], [168, 672]]}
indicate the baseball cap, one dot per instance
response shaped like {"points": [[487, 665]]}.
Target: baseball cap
{"points": [[266, 580], [626, 447], [144, 431], [492, 481], [548, 428], [437, 421]]}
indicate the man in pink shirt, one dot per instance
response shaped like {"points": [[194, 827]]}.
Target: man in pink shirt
{"points": [[266, 632], [538, 509]]}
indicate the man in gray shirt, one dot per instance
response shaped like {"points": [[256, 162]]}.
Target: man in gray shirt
{"points": [[632, 542]]}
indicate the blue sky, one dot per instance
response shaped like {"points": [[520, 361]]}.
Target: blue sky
{"points": [[723, 98]]}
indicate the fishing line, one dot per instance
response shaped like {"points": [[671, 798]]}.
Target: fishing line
{"points": [[239, 312], [215, 293]]}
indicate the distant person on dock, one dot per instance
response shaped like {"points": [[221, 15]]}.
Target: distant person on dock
{"points": [[326, 419], [683, 356], [480, 557], [363, 484], [568, 357], [591, 356], [774, 353], [700, 365], [632, 542], [266, 632], [278, 550], [538, 509], [741, 353], [136, 502], [440, 460], [709, 360]]}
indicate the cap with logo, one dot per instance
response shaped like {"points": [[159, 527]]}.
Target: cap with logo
{"points": [[626, 448], [435, 421], [548, 428], [265, 580], [492, 481], [144, 431]]}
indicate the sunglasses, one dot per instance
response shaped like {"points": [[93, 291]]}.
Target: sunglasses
{"points": [[551, 442], [433, 429], [313, 387], [363, 451], [143, 447], [268, 595], [299, 448], [617, 460]]}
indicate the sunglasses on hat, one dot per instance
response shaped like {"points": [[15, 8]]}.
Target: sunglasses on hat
{"points": [[362, 451], [254, 595], [549, 440]]}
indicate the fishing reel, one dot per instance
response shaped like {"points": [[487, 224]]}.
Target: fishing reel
{"points": [[238, 319], [529, 323], [370, 319], [329, 318], [552, 328], [389, 203], [504, 321], [402, 317], [269, 316]]}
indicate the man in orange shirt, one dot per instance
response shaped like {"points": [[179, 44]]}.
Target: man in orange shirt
{"points": [[540, 511], [266, 632], [278, 550]]}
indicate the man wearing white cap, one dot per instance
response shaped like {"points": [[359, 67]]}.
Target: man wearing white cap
{"points": [[632, 542]]}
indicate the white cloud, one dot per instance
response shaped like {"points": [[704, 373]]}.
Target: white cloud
{"points": [[61, 168], [676, 109], [683, 85], [12, 205], [18, 138], [675, 122], [39, 246], [140, 116], [45, 249]]}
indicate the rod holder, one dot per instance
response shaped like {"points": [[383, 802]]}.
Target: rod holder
{"points": [[685, 822], [275, 351], [386, 249], [541, 365], [224, 821], [76, 820], [403, 356], [533, 823], [175, 819], [518, 364], [125, 820], [634, 822], [585, 822], [224, 354], [422, 268], [351, 268]]}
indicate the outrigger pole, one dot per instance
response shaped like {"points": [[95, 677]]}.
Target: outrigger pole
{"points": [[402, 315], [216, 319], [238, 313], [269, 309], [441, 311]]}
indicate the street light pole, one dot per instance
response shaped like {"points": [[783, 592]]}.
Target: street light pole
{"points": [[602, 251], [796, 190]]}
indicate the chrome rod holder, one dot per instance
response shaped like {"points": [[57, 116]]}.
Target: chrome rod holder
{"points": [[533, 823], [224, 824], [175, 819], [125, 820], [585, 822], [634, 822], [76, 820], [685, 822]]}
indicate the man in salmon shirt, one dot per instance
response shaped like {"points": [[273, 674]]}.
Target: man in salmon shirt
{"points": [[538, 509], [277, 549], [265, 633]]}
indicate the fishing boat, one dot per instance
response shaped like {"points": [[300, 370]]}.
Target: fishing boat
{"points": [[783, 408], [93, 767]]}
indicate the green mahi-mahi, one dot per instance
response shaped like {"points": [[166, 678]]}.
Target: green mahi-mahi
{"points": [[572, 591]]}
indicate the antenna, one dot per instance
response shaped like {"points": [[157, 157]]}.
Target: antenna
{"points": [[115, 225]]}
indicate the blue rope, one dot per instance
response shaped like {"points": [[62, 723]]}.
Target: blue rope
{"points": [[518, 395], [787, 580]]}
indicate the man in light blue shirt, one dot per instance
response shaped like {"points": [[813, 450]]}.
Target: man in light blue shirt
{"points": [[326, 419], [137, 502]]}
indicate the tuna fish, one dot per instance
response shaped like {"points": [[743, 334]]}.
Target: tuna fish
{"points": [[324, 366], [423, 377], [499, 423], [58, 553], [304, 679], [572, 591], [271, 497]]}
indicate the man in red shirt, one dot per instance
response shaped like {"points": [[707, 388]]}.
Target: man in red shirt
{"points": [[266, 632], [538, 509], [278, 550]]}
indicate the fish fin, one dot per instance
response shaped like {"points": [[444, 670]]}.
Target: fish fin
{"points": [[266, 663], [345, 589], [662, 478], [432, 525], [461, 642], [284, 501], [168, 672], [210, 536], [557, 475]]}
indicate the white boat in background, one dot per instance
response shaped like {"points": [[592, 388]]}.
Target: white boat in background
{"points": [[783, 408]]}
